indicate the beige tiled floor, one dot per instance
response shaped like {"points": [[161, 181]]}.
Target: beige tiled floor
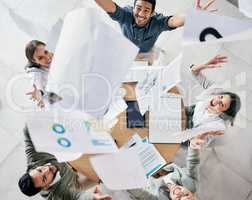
{"points": [[225, 171]]}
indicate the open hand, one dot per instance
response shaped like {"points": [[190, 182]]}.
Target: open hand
{"points": [[212, 133], [99, 196], [196, 143], [205, 6], [216, 61], [36, 95]]}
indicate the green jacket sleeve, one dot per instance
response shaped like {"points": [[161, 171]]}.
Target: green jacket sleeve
{"points": [[140, 194], [187, 176], [86, 196], [192, 162], [30, 150], [150, 191], [202, 79]]}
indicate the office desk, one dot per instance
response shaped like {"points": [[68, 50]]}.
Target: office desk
{"points": [[122, 134]]}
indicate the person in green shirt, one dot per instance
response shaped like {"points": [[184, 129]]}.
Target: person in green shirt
{"points": [[52, 179]]}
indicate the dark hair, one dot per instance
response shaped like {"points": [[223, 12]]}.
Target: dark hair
{"points": [[30, 48], [233, 109], [27, 186], [153, 3]]}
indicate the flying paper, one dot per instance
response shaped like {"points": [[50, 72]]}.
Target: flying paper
{"points": [[245, 6], [204, 26], [68, 134], [153, 81], [120, 171], [90, 61]]}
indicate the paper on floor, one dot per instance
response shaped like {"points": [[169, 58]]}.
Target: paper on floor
{"points": [[120, 171]]}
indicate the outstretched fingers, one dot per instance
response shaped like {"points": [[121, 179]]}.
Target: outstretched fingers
{"points": [[208, 4]]}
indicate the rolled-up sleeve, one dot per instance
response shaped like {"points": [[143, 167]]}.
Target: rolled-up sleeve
{"points": [[192, 163], [163, 22], [201, 79], [121, 15]]}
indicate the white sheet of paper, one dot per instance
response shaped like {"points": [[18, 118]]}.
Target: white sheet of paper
{"points": [[117, 107], [69, 133], [149, 84], [53, 35], [139, 73], [171, 74], [33, 29], [120, 171], [150, 158], [154, 81], [164, 118], [245, 6], [85, 65], [197, 21]]}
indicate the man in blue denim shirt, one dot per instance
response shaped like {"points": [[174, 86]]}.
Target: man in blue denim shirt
{"points": [[141, 24]]}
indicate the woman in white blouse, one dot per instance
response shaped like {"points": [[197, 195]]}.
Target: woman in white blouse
{"points": [[39, 61], [216, 107]]}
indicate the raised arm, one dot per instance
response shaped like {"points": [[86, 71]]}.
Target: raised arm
{"points": [[107, 5], [178, 20], [192, 162], [96, 195], [30, 150], [196, 70], [144, 193]]}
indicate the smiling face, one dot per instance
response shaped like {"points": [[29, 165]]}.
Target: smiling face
{"points": [[142, 12], [180, 193], [42, 56], [219, 103], [43, 176]]}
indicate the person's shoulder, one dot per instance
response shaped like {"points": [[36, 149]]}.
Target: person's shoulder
{"points": [[128, 9], [157, 19], [158, 16]]}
